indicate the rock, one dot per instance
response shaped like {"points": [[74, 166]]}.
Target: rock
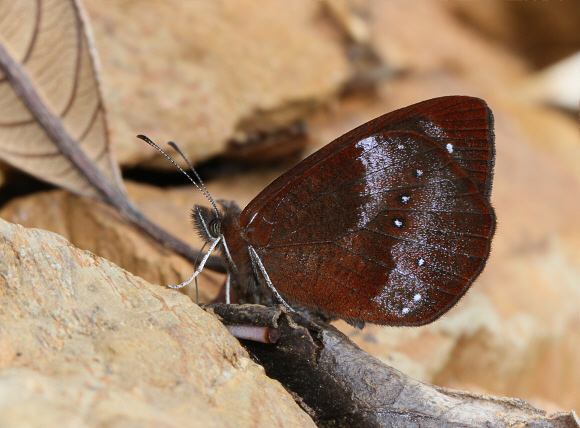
{"points": [[540, 32], [94, 226], [85, 343], [556, 85], [198, 73]]}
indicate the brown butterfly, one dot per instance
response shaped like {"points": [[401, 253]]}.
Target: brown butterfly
{"points": [[389, 224]]}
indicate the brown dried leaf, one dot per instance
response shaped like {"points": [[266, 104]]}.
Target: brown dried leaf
{"points": [[49, 42], [54, 123]]}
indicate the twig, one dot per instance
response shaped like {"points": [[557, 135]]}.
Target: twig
{"points": [[342, 386]]}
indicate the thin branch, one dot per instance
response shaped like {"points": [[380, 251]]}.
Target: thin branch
{"points": [[340, 385]]}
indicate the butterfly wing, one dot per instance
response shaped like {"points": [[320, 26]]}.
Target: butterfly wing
{"points": [[380, 226]]}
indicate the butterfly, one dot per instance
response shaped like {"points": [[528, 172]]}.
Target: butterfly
{"points": [[389, 224]]}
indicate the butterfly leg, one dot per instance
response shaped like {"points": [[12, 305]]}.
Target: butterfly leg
{"points": [[228, 288], [256, 260], [228, 255], [201, 265]]}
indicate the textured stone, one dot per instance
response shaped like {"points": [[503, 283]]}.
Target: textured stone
{"points": [[85, 343], [196, 72]]}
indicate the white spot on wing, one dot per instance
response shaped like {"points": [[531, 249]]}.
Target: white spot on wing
{"points": [[419, 173], [449, 147], [405, 311], [398, 223], [417, 297], [421, 262], [405, 199]]}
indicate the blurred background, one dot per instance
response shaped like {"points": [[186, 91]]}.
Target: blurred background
{"points": [[249, 88]]}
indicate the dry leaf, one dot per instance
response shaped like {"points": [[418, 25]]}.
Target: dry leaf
{"points": [[45, 47], [52, 120]]}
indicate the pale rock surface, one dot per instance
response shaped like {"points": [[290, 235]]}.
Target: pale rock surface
{"points": [[197, 72], [96, 227], [84, 343], [540, 32]]}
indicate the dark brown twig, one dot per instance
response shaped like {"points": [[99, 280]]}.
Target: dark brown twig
{"points": [[340, 385]]}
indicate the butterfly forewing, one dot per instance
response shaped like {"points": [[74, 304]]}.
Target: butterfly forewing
{"points": [[459, 124], [384, 224]]}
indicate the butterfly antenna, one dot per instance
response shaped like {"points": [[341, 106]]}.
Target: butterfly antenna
{"points": [[202, 190]]}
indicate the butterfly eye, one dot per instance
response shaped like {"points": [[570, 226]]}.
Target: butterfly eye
{"points": [[215, 228]]}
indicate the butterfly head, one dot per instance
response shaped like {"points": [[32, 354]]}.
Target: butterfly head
{"points": [[211, 224], [207, 223]]}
